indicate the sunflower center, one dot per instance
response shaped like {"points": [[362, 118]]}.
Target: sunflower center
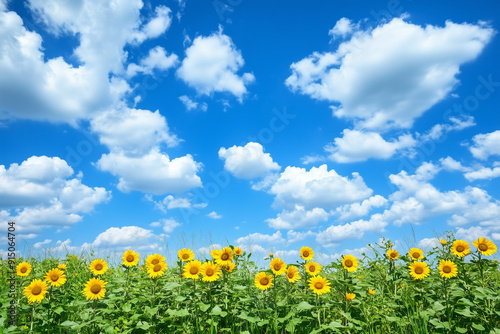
{"points": [[130, 258], [277, 266], [193, 270], [24, 269], [155, 261], [100, 266], [290, 275], [318, 285], [483, 247], [54, 277], [209, 272], [306, 254], [312, 269], [348, 263], [36, 290], [393, 255], [95, 289], [224, 257], [157, 268], [419, 270], [185, 256], [460, 248], [416, 255], [447, 269], [264, 281]]}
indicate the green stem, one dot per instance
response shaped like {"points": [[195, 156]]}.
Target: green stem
{"points": [[32, 317]]}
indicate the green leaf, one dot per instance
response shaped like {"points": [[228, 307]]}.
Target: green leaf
{"points": [[465, 312], [461, 330], [150, 311], [127, 307], [68, 323], [335, 324], [218, 311], [170, 286], [304, 306], [178, 313], [143, 325], [479, 327], [203, 307], [438, 306]]}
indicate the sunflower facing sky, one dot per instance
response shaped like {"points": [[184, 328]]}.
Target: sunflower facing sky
{"points": [[215, 253], [447, 269], [225, 257], [23, 269], [350, 263], [263, 281], [313, 268], [185, 255], [154, 259], [306, 253], [98, 267], [292, 274], [485, 246], [319, 285], [229, 267], [416, 254], [95, 289], [460, 248], [192, 269], [55, 277], [419, 270], [157, 270], [62, 266], [130, 258], [210, 271], [278, 266], [36, 291], [392, 254], [349, 296], [237, 251]]}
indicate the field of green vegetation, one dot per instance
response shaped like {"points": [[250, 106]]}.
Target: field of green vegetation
{"points": [[454, 288]]}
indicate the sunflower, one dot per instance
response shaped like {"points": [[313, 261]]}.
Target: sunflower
{"points": [[263, 281], [292, 274], [319, 285], [55, 277], [371, 292], [154, 259], [447, 269], [442, 241], [192, 269], [36, 291], [313, 268], [130, 258], [215, 253], [237, 251], [485, 246], [98, 267], [62, 266], [416, 253], [157, 270], [94, 289], [185, 255], [23, 269], [225, 257], [460, 248], [350, 263], [278, 266], [419, 270], [306, 253], [349, 296], [229, 267], [392, 254], [210, 271]]}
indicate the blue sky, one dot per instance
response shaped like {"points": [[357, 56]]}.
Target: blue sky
{"points": [[159, 125]]}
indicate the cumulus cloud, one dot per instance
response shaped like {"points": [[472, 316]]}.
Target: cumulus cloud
{"points": [[192, 105], [248, 162], [211, 64], [122, 236], [169, 225], [457, 124], [343, 28], [486, 145], [156, 59], [317, 188], [171, 202], [357, 146], [477, 172], [214, 215], [298, 218], [258, 238], [388, 76], [293, 236], [355, 210]]}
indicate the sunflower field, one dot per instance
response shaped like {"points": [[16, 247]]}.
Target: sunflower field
{"points": [[454, 288]]}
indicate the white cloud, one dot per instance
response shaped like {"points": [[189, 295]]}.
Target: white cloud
{"points": [[428, 243], [42, 243], [248, 162], [257, 238], [122, 236], [156, 26], [486, 145], [471, 234], [153, 172], [355, 210], [211, 64], [483, 173], [169, 225], [192, 105], [438, 130], [214, 215], [205, 251], [298, 218], [310, 159], [317, 188], [357, 146], [293, 236], [156, 59], [342, 28], [387, 77], [3, 5], [133, 131]]}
